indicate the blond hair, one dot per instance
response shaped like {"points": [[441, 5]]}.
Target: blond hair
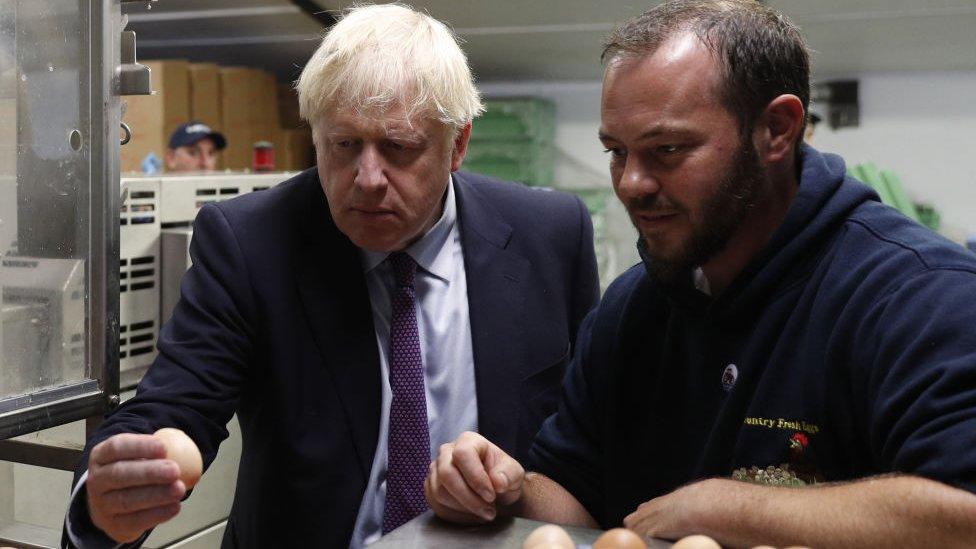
{"points": [[380, 56]]}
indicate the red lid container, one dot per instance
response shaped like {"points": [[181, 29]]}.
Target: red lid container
{"points": [[264, 157]]}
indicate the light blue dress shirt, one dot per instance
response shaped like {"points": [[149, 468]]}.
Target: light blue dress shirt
{"points": [[445, 339]]}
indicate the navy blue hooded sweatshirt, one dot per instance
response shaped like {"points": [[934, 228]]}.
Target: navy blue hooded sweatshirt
{"points": [[846, 348]]}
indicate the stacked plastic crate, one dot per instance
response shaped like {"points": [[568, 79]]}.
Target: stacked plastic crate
{"points": [[889, 188], [596, 200], [513, 140]]}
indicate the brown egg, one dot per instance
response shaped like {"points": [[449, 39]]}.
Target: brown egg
{"points": [[181, 449], [696, 542], [764, 547], [548, 536], [619, 538]]}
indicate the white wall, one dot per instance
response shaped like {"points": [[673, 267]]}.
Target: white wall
{"points": [[922, 126]]}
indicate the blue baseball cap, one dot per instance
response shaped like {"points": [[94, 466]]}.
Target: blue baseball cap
{"points": [[193, 131]]}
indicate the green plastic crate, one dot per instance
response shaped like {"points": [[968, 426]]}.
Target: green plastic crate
{"points": [[929, 216], [517, 118], [597, 201], [596, 204], [898, 194], [888, 187], [869, 174], [529, 163]]}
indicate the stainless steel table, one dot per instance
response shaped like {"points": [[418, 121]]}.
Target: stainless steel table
{"points": [[429, 532]]}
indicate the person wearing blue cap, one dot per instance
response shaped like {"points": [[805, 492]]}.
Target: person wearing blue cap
{"points": [[193, 147]]}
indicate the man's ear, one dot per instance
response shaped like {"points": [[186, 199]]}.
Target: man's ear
{"points": [[780, 125], [460, 147]]}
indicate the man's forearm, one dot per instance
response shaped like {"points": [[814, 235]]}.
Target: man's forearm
{"points": [[877, 512], [545, 500]]}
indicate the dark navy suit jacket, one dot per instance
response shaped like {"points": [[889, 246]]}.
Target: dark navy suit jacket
{"points": [[274, 323]]}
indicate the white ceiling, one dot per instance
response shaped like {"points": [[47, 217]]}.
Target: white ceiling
{"points": [[558, 39]]}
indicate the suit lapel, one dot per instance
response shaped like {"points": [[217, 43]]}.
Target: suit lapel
{"points": [[496, 278], [336, 303]]}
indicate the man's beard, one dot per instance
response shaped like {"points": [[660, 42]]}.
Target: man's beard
{"points": [[722, 214]]}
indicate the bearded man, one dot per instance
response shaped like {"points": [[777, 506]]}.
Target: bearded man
{"points": [[785, 328]]}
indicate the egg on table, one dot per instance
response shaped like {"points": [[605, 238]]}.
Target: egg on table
{"points": [[696, 542], [548, 536], [181, 449], [619, 538]]}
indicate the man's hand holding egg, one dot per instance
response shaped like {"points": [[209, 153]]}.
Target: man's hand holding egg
{"points": [[133, 486]]}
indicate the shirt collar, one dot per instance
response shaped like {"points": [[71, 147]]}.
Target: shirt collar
{"points": [[430, 251]]}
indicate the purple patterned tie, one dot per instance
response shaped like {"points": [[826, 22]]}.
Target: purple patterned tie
{"points": [[408, 452]]}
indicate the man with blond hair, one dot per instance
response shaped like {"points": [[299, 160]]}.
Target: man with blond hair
{"points": [[356, 316], [793, 363]]}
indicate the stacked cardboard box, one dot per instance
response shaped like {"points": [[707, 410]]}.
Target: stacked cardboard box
{"points": [[293, 148], [205, 95], [152, 118], [236, 106], [288, 107], [249, 111], [294, 143], [246, 105]]}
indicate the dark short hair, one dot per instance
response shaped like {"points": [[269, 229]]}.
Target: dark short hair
{"points": [[760, 52]]}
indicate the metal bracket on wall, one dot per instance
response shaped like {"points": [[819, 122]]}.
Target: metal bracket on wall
{"points": [[842, 100], [134, 79]]}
